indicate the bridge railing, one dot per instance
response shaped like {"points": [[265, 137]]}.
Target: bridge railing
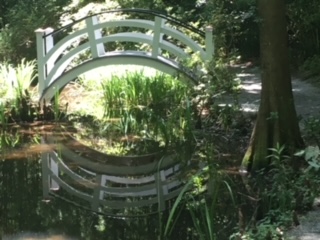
{"points": [[162, 37]]}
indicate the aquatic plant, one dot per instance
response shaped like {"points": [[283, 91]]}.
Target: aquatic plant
{"points": [[155, 108], [204, 197], [3, 115], [16, 80]]}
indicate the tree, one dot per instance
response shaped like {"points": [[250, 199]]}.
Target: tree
{"points": [[277, 122], [17, 40]]}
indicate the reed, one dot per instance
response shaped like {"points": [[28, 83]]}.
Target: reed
{"points": [[153, 107], [3, 116], [56, 106], [202, 196], [16, 94]]}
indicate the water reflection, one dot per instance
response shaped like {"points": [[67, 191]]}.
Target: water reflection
{"points": [[112, 185], [51, 194]]}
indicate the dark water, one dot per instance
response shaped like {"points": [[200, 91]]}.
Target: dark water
{"points": [[56, 188]]}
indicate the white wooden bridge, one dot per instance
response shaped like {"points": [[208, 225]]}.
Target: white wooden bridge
{"points": [[110, 186], [60, 60]]}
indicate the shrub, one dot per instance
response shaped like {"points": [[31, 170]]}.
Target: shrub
{"points": [[17, 40]]}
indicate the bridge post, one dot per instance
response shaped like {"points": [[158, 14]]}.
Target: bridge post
{"points": [[97, 194], [157, 36], [209, 43], [97, 50], [44, 44], [45, 174]]}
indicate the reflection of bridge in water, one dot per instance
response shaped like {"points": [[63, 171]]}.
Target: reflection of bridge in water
{"points": [[108, 184]]}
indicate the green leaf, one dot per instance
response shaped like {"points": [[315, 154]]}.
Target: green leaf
{"points": [[312, 152], [300, 153]]}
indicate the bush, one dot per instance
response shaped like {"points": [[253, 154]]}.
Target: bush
{"points": [[17, 37], [311, 67]]}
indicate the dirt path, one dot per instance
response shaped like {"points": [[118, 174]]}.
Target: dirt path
{"points": [[309, 228], [307, 96]]}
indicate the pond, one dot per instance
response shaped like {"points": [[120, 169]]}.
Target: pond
{"points": [[53, 187], [127, 157]]}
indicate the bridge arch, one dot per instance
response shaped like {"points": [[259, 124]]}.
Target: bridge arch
{"points": [[168, 48], [164, 66]]}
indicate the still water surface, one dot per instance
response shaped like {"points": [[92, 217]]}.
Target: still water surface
{"points": [[58, 189]]}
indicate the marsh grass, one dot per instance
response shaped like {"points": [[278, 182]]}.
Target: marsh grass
{"points": [[210, 199], [57, 113], [18, 99], [3, 116], [16, 93], [205, 209], [16, 80], [152, 110]]}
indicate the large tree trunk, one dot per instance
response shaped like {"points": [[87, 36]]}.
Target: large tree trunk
{"points": [[277, 121]]}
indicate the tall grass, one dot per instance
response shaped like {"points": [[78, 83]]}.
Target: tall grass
{"points": [[56, 106], [3, 115], [204, 196], [16, 80], [150, 107], [15, 93]]}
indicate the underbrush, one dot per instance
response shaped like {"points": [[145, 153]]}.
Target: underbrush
{"points": [[18, 99], [224, 205], [137, 112], [310, 68], [281, 194]]}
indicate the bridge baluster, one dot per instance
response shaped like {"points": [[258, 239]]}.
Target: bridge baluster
{"points": [[97, 50], [209, 43], [97, 193], [157, 36], [45, 174], [44, 44], [160, 179]]}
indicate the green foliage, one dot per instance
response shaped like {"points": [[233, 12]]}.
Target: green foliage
{"points": [[145, 102], [9, 140], [204, 209], [265, 230], [143, 113], [312, 130], [16, 82], [57, 113], [205, 196], [215, 82], [17, 97], [220, 78], [235, 27], [303, 25], [311, 66], [3, 115], [282, 192], [17, 40]]}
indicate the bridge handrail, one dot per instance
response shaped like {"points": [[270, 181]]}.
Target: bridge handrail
{"points": [[134, 10], [64, 61]]}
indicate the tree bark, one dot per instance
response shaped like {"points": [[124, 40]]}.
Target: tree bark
{"points": [[277, 121]]}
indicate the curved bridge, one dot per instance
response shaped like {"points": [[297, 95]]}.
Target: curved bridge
{"points": [[61, 61]]}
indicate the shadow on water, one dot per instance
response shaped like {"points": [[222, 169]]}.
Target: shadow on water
{"points": [[57, 188]]}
